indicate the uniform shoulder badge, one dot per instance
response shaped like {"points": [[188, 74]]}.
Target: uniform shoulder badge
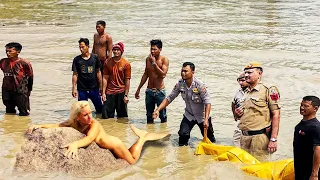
{"points": [[203, 88], [274, 93]]}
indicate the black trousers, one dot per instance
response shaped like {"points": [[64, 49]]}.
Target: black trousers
{"points": [[186, 127], [114, 103], [11, 99]]}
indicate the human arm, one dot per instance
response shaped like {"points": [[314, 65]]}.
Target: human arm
{"points": [[274, 106], [104, 83], [99, 80], [207, 109], [92, 134], [163, 105], [316, 163], [94, 45], [126, 91], [144, 78], [109, 49], [161, 72], [275, 114], [37, 126], [174, 93], [74, 84], [205, 97], [127, 76], [233, 108], [29, 72], [99, 76]]}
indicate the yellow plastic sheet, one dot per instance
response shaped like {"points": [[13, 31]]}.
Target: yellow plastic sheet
{"points": [[278, 170]]}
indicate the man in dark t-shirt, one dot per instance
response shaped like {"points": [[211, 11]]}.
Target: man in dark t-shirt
{"points": [[306, 143], [86, 78]]}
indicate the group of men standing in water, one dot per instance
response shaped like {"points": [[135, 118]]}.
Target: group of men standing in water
{"points": [[104, 77], [114, 84]]}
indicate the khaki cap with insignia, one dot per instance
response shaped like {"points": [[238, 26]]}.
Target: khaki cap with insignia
{"points": [[253, 64]]}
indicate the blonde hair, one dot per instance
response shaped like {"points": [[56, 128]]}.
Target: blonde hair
{"points": [[75, 110]]}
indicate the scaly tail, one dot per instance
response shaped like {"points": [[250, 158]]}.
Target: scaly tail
{"points": [[147, 136]]}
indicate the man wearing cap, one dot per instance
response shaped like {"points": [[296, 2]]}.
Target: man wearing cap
{"points": [[198, 105], [116, 84], [236, 103], [260, 113], [155, 71]]}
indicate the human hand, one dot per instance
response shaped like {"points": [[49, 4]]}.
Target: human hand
{"points": [[104, 97], [205, 124], [32, 128], [155, 114], [136, 95], [72, 150], [126, 99], [74, 93], [239, 112], [152, 58], [272, 146]]}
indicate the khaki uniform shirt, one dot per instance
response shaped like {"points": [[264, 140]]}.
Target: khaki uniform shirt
{"points": [[195, 97], [258, 104]]}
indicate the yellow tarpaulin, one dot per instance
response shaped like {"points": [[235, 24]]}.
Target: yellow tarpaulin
{"points": [[278, 170]]}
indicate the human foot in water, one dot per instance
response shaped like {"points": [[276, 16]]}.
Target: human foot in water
{"points": [[146, 135]]}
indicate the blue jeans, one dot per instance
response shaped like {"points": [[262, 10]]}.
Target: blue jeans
{"points": [[94, 96], [153, 97]]}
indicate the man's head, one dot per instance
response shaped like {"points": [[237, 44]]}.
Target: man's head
{"points": [[309, 105], [253, 72], [242, 81], [155, 47], [100, 26], [84, 45], [187, 70], [118, 49], [13, 49]]}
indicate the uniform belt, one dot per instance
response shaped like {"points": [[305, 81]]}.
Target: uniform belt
{"points": [[251, 133]]}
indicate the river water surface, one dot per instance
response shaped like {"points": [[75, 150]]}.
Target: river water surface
{"points": [[220, 37]]}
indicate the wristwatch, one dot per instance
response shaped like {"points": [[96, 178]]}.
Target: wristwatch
{"points": [[125, 95], [273, 139], [153, 63]]}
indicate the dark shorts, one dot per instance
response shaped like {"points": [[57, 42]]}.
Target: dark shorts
{"points": [[11, 99], [186, 127], [153, 97], [114, 103], [94, 96]]}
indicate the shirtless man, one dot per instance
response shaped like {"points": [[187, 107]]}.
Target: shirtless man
{"points": [[156, 70], [102, 45]]}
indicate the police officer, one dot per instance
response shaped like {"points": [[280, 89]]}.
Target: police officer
{"points": [[260, 113], [197, 99], [237, 102]]}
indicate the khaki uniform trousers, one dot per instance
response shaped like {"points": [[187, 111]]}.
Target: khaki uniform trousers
{"points": [[256, 145]]}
